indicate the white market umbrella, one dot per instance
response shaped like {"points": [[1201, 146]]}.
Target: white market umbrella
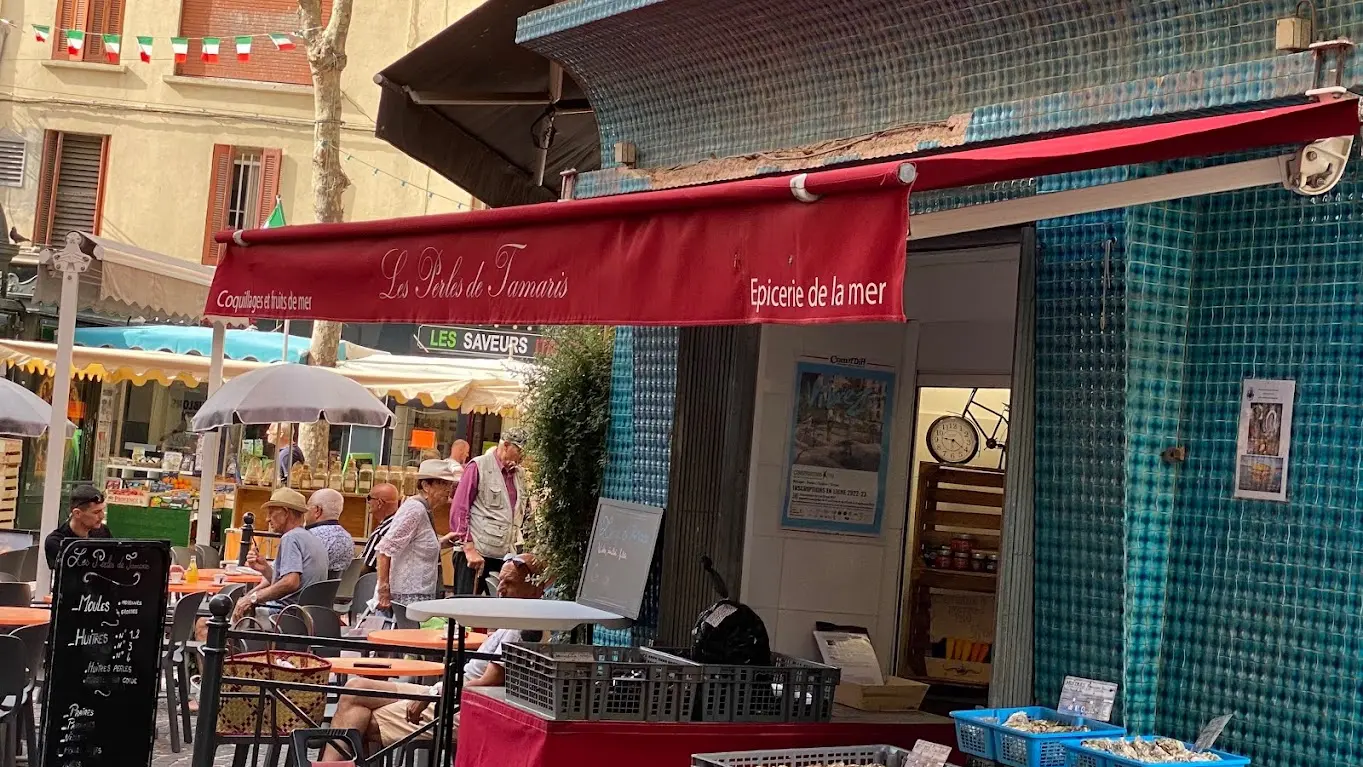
{"points": [[292, 394], [23, 413]]}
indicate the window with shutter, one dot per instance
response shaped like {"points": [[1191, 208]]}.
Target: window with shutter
{"points": [[12, 151], [216, 18], [94, 17], [70, 185], [242, 189]]}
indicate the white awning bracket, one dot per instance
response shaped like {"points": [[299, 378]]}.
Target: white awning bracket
{"points": [[236, 238], [797, 188], [1317, 167]]}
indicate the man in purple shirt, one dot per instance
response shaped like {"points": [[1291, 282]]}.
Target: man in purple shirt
{"points": [[487, 512]]}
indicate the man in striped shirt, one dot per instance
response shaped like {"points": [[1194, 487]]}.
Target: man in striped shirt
{"points": [[383, 502]]}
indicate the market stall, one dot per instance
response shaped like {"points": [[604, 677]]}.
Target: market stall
{"points": [[152, 464]]}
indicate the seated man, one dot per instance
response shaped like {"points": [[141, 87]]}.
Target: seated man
{"points": [[301, 562], [86, 521], [384, 721], [324, 521]]}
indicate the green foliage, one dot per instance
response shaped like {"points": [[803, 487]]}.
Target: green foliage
{"points": [[568, 415]]}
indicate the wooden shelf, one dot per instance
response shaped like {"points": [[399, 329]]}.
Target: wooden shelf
{"points": [[953, 682], [960, 580]]}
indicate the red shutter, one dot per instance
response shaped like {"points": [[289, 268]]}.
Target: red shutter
{"points": [[71, 14], [47, 187], [219, 187], [106, 16], [99, 191], [270, 162]]}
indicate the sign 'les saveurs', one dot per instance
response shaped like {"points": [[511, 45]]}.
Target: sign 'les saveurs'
{"points": [[481, 342]]}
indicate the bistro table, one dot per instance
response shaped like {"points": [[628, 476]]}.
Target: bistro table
{"points": [[484, 612], [429, 639], [385, 668], [24, 616], [231, 575]]}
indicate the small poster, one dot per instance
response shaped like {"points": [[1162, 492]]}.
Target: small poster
{"points": [[1212, 730], [853, 653], [1087, 697], [839, 449], [1265, 439]]}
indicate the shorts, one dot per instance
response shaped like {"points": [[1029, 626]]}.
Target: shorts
{"points": [[391, 720]]}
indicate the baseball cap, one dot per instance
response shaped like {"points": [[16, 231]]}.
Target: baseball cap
{"points": [[86, 494]]}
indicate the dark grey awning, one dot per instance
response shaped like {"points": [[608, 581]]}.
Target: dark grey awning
{"points": [[474, 106]]}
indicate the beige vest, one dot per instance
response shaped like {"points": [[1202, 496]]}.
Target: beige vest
{"points": [[493, 525]]}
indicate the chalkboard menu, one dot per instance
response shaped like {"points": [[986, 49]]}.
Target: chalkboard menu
{"points": [[619, 557], [104, 653]]}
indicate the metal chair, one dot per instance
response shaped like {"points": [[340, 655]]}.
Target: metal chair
{"points": [[12, 562], [400, 619], [208, 556], [326, 623], [182, 555], [294, 620], [175, 666], [346, 591], [364, 591], [29, 570], [35, 644], [320, 594], [16, 594], [13, 685]]}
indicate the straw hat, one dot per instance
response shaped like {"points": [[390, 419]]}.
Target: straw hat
{"points": [[286, 498], [436, 468]]}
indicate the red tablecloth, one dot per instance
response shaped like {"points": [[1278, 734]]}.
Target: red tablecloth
{"points": [[493, 733]]}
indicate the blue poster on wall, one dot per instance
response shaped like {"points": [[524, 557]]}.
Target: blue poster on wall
{"points": [[839, 449]]}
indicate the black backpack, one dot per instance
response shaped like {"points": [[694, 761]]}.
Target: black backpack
{"points": [[728, 632]]}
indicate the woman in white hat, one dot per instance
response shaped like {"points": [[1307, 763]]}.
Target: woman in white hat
{"points": [[409, 555]]}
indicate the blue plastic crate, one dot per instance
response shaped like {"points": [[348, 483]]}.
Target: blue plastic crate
{"points": [[974, 736], [1021, 749], [1078, 756]]}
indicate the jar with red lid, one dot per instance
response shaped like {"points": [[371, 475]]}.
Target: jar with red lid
{"points": [[960, 560], [962, 544]]}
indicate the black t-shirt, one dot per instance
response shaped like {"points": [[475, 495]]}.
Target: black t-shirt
{"points": [[52, 545]]}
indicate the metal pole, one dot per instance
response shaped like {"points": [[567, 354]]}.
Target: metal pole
{"points": [[69, 262], [214, 653], [208, 470], [284, 355]]}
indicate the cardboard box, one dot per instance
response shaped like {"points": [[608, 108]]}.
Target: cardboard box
{"points": [[895, 695], [958, 671]]}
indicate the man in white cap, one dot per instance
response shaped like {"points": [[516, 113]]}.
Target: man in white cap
{"points": [[487, 512]]}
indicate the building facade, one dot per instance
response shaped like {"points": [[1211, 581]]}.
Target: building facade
{"points": [[1147, 319], [161, 154]]}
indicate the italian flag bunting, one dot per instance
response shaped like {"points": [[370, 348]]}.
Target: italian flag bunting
{"points": [[144, 48], [210, 49], [75, 42], [181, 47], [281, 41], [276, 218], [42, 33], [244, 48], [113, 44]]}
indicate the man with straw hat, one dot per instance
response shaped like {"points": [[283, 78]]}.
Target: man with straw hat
{"points": [[302, 558]]}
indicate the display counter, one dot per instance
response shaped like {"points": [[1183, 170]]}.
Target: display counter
{"points": [[496, 733], [139, 513]]}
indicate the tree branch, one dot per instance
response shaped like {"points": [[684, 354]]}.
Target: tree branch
{"points": [[310, 16], [338, 28]]}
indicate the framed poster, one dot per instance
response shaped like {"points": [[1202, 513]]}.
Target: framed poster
{"points": [[1265, 439], [839, 449]]}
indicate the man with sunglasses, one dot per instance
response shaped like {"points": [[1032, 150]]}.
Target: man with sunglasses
{"points": [[86, 521], [487, 512], [382, 503]]}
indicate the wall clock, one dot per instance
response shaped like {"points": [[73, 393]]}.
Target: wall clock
{"points": [[953, 439]]}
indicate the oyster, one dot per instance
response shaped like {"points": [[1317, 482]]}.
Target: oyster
{"points": [[1021, 722], [1154, 751]]}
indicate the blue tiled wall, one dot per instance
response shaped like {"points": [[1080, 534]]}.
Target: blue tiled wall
{"points": [[638, 460]]}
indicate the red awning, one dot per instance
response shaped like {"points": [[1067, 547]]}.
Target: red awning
{"points": [[826, 246]]}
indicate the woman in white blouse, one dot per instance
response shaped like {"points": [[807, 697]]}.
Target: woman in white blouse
{"points": [[409, 555]]}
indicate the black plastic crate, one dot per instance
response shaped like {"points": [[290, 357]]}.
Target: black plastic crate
{"points": [[790, 690], [599, 683]]}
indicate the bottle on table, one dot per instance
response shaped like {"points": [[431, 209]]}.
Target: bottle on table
{"points": [[192, 572]]}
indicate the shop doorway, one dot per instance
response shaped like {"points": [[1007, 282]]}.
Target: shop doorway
{"points": [[954, 525]]}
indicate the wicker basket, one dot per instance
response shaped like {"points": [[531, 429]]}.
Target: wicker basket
{"points": [[239, 710]]}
